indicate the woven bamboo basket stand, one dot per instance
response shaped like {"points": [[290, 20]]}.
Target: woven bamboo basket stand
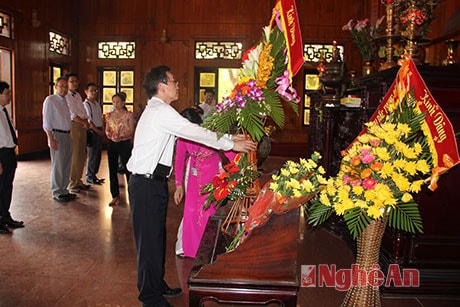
{"points": [[368, 249]]}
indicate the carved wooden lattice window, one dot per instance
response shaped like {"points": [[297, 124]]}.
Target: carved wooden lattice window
{"points": [[116, 50], [59, 43], [313, 52], [218, 50], [5, 25]]}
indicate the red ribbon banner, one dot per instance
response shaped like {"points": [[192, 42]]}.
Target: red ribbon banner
{"points": [[291, 29], [441, 138]]}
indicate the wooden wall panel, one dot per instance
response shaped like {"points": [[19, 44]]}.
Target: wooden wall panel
{"points": [[31, 60], [89, 21]]}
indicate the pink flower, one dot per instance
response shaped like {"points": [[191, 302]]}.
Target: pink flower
{"points": [[346, 179], [348, 26], [375, 142], [369, 183], [361, 24], [366, 159]]}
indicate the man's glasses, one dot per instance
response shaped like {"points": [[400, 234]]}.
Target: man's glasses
{"points": [[173, 81]]}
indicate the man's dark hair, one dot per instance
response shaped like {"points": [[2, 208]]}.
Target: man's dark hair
{"points": [[59, 79], [88, 85], [210, 91], [3, 86], [153, 77], [70, 74]]}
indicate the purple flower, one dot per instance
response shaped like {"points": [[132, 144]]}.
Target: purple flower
{"points": [[256, 94]]}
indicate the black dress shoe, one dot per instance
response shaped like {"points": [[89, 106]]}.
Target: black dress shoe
{"points": [[62, 198], [71, 196], [93, 181], [4, 230], [12, 223], [172, 292]]}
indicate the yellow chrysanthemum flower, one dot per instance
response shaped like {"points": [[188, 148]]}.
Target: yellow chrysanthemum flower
{"points": [[364, 138], [403, 128], [293, 183], [407, 197], [284, 172], [293, 170], [358, 190], [388, 127], [400, 146], [273, 186], [360, 203], [324, 199], [369, 195], [307, 186], [348, 204], [382, 153], [391, 137], [374, 212], [321, 179], [303, 162], [423, 167], [296, 193], [312, 163], [416, 186], [339, 208], [401, 182], [417, 148], [387, 170], [411, 168], [399, 163]]}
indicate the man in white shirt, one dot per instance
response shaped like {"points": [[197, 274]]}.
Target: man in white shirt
{"points": [[8, 161], [150, 165], [79, 127], [56, 124], [95, 134], [209, 103]]}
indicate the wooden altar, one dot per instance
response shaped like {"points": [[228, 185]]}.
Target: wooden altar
{"points": [[436, 252], [262, 271]]}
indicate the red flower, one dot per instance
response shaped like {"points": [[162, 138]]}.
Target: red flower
{"points": [[232, 168], [221, 193]]}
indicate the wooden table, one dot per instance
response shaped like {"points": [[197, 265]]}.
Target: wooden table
{"points": [[263, 270]]}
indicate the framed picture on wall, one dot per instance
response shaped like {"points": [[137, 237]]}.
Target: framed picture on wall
{"points": [[312, 82], [207, 79]]}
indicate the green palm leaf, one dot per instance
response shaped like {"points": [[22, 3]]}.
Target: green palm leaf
{"points": [[318, 213], [356, 220], [406, 216]]}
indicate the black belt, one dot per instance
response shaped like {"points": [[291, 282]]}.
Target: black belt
{"points": [[61, 131], [7, 148], [152, 177]]}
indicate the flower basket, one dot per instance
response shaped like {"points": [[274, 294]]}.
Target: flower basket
{"points": [[398, 151], [362, 292], [264, 82], [268, 203]]}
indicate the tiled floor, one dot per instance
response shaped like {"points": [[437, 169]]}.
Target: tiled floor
{"points": [[82, 253]]}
